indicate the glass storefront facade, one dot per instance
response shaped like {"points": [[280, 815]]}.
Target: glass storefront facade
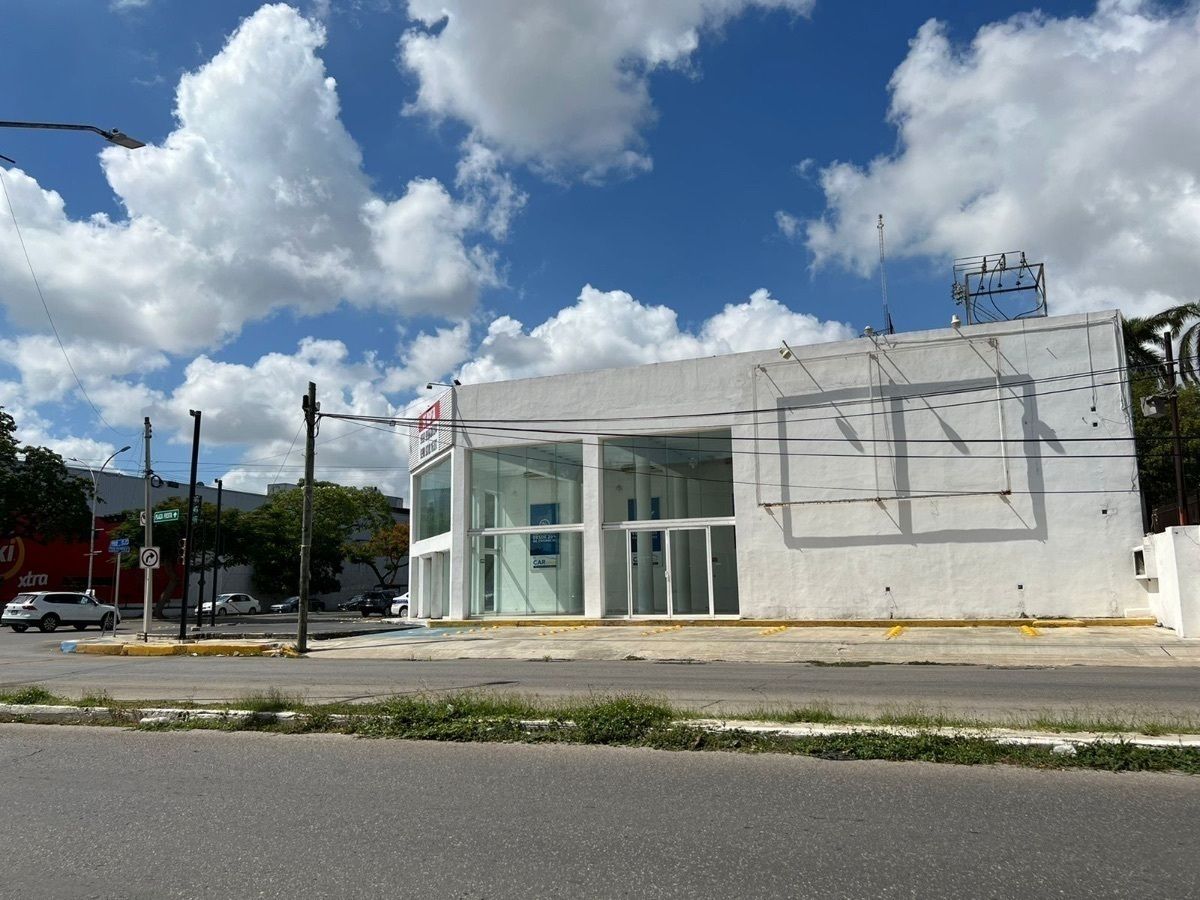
{"points": [[432, 490], [526, 554], [679, 476], [519, 567], [679, 569], [521, 487]]}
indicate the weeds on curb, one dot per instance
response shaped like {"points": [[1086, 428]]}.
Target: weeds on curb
{"points": [[33, 695]]}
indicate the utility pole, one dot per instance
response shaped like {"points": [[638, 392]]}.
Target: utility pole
{"points": [[216, 557], [1173, 399], [203, 561], [187, 541], [310, 407], [148, 540]]}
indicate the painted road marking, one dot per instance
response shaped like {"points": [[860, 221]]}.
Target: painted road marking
{"points": [[1029, 631], [895, 631], [777, 629]]}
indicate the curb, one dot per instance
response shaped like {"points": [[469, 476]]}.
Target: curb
{"points": [[208, 648], [1058, 742], [546, 621]]}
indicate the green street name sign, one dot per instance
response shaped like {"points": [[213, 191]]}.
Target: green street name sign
{"points": [[166, 515]]}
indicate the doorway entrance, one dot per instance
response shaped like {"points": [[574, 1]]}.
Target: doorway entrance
{"points": [[434, 572], [677, 571]]}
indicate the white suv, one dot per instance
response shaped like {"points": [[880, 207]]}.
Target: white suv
{"points": [[49, 609], [233, 604]]}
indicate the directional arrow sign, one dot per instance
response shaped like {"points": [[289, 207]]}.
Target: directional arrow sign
{"points": [[166, 515], [149, 558]]}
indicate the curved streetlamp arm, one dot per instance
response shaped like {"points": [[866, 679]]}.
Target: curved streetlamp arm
{"points": [[112, 135]]}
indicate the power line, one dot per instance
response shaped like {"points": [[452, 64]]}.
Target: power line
{"points": [[53, 327], [827, 404], [911, 495]]}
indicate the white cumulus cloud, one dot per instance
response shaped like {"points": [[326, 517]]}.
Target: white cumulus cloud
{"points": [[1070, 138], [256, 201], [612, 328], [560, 85]]}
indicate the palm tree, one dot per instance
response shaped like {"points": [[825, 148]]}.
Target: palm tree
{"points": [[1143, 340]]}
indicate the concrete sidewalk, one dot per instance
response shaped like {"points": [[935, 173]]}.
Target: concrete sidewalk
{"points": [[1025, 645]]}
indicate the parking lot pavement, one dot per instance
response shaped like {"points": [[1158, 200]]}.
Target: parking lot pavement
{"points": [[1026, 645]]}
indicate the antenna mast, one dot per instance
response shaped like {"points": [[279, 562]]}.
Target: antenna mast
{"points": [[888, 327]]}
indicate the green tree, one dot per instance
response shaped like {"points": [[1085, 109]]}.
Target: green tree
{"points": [[1155, 447], [385, 551], [39, 498], [268, 538], [1143, 340], [169, 537]]}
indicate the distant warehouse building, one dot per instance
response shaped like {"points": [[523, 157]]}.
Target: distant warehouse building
{"points": [[971, 472]]}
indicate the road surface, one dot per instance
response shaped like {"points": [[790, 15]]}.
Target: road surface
{"points": [[214, 814], [975, 691]]}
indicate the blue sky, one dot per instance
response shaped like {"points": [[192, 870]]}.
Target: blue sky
{"points": [[723, 159]]}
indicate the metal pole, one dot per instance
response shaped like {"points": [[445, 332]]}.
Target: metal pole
{"points": [[200, 586], [216, 557], [148, 539], [187, 552], [116, 595], [1173, 396], [310, 408]]}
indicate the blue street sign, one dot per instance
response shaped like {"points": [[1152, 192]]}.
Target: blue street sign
{"points": [[118, 545]]}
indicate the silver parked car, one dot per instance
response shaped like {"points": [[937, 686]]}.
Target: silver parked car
{"points": [[49, 609]]}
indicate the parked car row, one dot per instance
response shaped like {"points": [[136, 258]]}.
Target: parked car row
{"points": [[292, 604], [48, 610]]}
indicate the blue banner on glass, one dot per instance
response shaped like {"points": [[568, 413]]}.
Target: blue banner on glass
{"points": [[541, 514], [655, 537]]}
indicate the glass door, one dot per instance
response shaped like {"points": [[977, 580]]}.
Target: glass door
{"points": [[688, 572], [647, 574]]}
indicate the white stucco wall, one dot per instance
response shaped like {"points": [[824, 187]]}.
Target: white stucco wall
{"points": [[1173, 583], [875, 479]]}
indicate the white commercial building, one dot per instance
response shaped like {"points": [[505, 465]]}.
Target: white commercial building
{"points": [[975, 472]]}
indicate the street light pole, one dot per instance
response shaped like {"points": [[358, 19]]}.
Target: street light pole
{"points": [[112, 135], [95, 490], [216, 558]]}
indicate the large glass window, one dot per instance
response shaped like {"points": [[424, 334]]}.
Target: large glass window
{"points": [[518, 487], [536, 574], [432, 489], [678, 476]]}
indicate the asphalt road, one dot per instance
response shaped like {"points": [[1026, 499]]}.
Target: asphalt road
{"points": [[977, 691], [212, 814]]}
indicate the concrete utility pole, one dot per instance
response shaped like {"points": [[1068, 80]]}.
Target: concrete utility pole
{"points": [[187, 541], [310, 407], [148, 540], [1173, 398]]}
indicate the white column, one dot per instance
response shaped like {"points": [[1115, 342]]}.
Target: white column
{"points": [[645, 544], [593, 535], [460, 548]]}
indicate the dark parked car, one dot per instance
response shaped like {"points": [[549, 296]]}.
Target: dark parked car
{"points": [[376, 604], [292, 604], [354, 604]]}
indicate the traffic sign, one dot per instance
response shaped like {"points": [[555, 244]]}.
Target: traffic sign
{"points": [[166, 515], [118, 545], [142, 519], [149, 558]]}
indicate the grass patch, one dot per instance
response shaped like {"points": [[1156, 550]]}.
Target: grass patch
{"points": [[639, 721], [33, 695], [273, 700]]}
